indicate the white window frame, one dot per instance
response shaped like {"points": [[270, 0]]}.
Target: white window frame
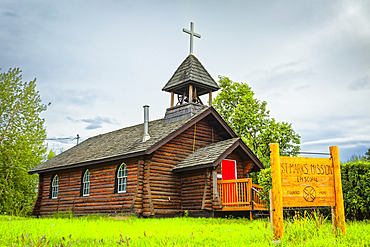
{"points": [[122, 178], [55, 187], [86, 183]]}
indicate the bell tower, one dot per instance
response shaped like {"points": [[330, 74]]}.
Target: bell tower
{"points": [[191, 80]]}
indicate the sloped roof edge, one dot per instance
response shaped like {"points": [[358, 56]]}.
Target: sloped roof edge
{"points": [[88, 163], [237, 143], [194, 120]]}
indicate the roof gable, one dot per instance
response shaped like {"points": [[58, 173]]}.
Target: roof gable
{"points": [[212, 154], [127, 142]]}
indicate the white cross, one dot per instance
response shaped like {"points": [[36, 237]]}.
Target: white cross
{"points": [[192, 34]]}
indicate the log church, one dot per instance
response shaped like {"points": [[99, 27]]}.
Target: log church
{"points": [[189, 161]]}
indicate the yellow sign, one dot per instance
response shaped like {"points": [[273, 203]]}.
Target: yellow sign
{"points": [[307, 182]]}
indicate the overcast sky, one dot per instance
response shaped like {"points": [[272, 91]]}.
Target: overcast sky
{"points": [[99, 62]]}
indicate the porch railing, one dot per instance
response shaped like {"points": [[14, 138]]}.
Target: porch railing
{"points": [[240, 193]]}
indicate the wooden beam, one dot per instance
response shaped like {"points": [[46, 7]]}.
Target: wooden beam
{"points": [[151, 208], [205, 190], [210, 98], [190, 93], [277, 192], [139, 163], [172, 99], [214, 183], [339, 206]]}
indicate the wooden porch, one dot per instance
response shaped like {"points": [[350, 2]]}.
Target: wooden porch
{"points": [[240, 195]]}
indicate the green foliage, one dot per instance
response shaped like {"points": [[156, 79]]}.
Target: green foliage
{"points": [[356, 158], [265, 182], [367, 155], [356, 189], [22, 134], [50, 155], [250, 119], [107, 231]]}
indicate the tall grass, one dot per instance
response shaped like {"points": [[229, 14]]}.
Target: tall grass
{"points": [[131, 231]]}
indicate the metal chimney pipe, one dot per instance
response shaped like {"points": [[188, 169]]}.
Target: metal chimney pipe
{"points": [[146, 135]]}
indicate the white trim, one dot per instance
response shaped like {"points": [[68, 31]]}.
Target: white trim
{"points": [[123, 177], [53, 186], [86, 182]]}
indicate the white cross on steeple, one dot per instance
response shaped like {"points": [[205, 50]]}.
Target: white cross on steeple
{"points": [[192, 34]]}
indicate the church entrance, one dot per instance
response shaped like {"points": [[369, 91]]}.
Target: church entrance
{"points": [[229, 195]]}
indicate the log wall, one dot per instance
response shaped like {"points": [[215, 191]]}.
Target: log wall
{"points": [[196, 190], [102, 197], [165, 186]]}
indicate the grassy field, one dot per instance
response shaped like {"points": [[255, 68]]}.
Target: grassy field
{"points": [[131, 231]]}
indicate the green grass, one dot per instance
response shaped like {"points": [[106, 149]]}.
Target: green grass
{"points": [[131, 231]]}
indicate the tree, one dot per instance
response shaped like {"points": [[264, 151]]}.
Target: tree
{"points": [[250, 120], [22, 135], [367, 155], [50, 155]]}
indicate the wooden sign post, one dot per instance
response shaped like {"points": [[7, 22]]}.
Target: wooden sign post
{"points": [[305, 182]]}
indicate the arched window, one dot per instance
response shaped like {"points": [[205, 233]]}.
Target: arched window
{"points": [[86, 183], [122, 178], [54, 187]]}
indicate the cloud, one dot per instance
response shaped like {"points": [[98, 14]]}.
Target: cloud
{"points": [[360, 84], [9, 14], [350, 141], [93, 123]]}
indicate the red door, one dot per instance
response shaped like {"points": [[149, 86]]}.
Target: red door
{"points": [[229, 193]]}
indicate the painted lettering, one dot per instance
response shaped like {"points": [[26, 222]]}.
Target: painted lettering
{"points": [[295, 192], [307, 179]]}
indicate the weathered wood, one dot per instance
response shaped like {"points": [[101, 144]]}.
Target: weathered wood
{"points": [[139, 164], [205, 190], [147, 186], [190, 93], [172, 99]]}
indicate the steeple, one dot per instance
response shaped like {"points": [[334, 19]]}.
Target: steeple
{"points": [[191, 79]]}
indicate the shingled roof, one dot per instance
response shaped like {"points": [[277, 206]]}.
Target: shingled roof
{"points": [[125, 143], [214, 153], [191, 71]]}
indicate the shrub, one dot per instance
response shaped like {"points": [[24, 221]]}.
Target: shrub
{"points": [[356, 189]]}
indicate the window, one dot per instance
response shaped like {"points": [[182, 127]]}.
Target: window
{"points": [[86, 183], [122, 178], [54, 187]]}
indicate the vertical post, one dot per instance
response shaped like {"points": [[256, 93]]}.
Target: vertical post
{"points": [[210, 98], [214, 184], [339, 207], [333, 220], [277, 193], [190, 93], [172, 99], [271, 212], [252, 198]]}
